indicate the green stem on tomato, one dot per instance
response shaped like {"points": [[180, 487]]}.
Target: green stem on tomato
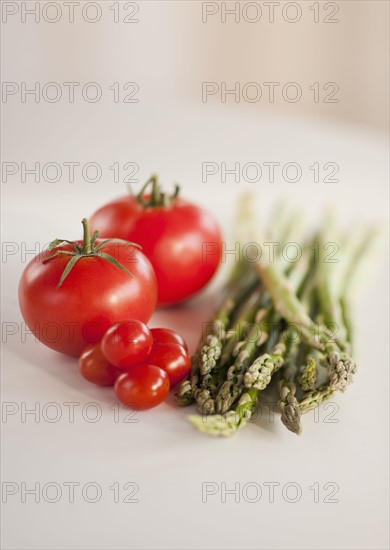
{"points": [[156, 193], [87, 246], [156, 198], [140, 195]]}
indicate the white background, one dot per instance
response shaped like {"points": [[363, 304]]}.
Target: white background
{"points": [[171, 131]]}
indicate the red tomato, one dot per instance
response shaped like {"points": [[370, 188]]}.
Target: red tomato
{"points": [[143, 387], [94, 295], [168, 336], [95, 368], [127, 343], [182, 241], [173, 359]]}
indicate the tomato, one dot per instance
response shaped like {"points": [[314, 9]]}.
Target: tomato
{"points": [[94, 294], [95, 368], [182, 241], [143, 387], [173, 359], [168, 336], [127, 343]]}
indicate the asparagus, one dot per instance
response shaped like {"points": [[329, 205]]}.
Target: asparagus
{"points": [[228, 423], [247, 369], [236, 292], [308, 375], [288, 403], [259, 374], [231, 388], [204, 401], [333, 306], [210, 382], [341, 367], [347, 319], [184, 396], [241, 283], [360, 251], [333, 298], [249, 374], [249, 313], [211, 349], [314, 398], [228, 376], [291, 407]]}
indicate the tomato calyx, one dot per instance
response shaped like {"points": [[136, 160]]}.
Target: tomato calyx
{"points": [[155, 198], [89, 248]]}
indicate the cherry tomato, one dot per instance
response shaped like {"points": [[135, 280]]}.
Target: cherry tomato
{"points": [[168, 336], [173, 359], [95, 368], [143, 387], [127, 343], [94, 295], [182, 240]]}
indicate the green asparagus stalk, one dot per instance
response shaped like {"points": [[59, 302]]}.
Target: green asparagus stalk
{"points": [[340, 366], [247, 366], [360, 253], [212, 346], [248, 314], [259, 374], [249, 373], [228, 376], [247, 350], [314, 398], [288, 403], [308, 375], [240, 284], [211, 381], [228, 423], [235, 339], [184, 395]]}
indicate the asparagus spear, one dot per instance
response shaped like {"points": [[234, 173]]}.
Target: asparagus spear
{"points": [[233, 344], [288, 403], [340, 366], [260, 369], [259, 374], [308, 375], [359, 253], [184, 396], [227, 424], [249, 375], [242, 282], [235, 293], [314, 398], [211, 381], [249, 312], [231, 388], [250, 372]]}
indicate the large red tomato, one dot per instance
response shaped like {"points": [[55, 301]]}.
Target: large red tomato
{"points": [[182, 241], [108, 282]]}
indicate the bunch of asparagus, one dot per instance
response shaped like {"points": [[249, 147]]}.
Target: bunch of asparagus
{"points": [[280, 320]]}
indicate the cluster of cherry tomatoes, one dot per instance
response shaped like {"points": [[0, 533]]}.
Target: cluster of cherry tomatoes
{"points": [[141, 363]]}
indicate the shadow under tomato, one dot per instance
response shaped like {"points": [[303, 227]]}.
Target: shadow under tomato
{"points": [[186, 318]]}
